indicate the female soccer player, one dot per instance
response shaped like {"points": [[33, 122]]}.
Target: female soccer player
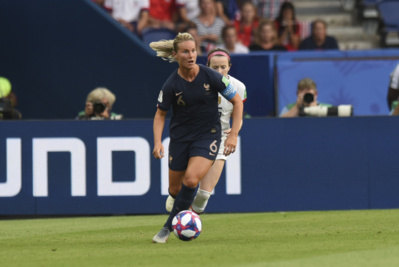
{"points": [[219, 60], [195, 132]]}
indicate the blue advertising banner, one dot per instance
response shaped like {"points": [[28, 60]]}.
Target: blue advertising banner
{"points": [[107, 167], [357, 78]]}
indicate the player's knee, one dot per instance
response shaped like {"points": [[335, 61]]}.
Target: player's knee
{"points": [[191, 180]]}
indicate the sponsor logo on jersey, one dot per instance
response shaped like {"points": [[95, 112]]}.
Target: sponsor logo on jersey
{"points": [[179, 93]]}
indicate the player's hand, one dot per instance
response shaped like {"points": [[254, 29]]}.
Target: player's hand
{"points": [[158, 151], [230, 145], [299, 99]]}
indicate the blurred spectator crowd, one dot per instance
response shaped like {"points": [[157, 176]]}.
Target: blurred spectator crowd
{"points": [[239, 26]]}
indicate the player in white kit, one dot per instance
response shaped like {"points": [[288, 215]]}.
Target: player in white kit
{"points": [[219, 60]]}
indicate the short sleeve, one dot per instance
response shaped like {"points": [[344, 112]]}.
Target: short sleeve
{"points": [[222, 84], [165, 98], [241, 90], [108, 4], [394, 82], [144, 5]]}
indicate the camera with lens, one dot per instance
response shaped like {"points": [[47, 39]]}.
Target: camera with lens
{"points": [[7, 112], [308, 98], [323, 111], [98, 108]]}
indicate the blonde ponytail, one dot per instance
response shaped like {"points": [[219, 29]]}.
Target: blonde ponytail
{"points": [[165, 48]]}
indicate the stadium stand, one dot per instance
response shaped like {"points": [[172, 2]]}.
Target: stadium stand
{"points": [[367, 14], [388, 15], [369, 9], [343, 22]]}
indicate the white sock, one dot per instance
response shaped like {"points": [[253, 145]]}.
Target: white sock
{"points": [[200, 201], [169, 203]]}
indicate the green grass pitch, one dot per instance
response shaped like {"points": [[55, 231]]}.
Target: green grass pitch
{"points": [[325, 238]]}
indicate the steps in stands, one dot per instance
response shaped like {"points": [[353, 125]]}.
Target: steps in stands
{"points": [[341, 19]]}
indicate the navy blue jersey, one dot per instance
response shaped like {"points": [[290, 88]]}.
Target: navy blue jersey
{"points": [[195, 104]]}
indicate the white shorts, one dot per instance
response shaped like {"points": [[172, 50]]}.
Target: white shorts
{"points": [[221, 148]]}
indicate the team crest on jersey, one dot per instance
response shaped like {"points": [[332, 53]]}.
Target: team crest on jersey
{"points": [[160, 97], [206, 86], [219, 100]]}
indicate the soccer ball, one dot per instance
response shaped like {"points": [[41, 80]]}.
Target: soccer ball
{"points": [[187, 225]]}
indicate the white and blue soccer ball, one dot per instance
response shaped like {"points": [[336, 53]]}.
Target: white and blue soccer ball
{"points": [[187, 225]]}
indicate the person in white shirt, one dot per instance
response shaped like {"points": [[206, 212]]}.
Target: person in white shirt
{"points": [[230, 41], [132, 14], [188, 9]]}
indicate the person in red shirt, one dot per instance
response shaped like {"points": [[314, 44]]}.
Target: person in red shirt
{"points": [[247, 25], [162, 14]]}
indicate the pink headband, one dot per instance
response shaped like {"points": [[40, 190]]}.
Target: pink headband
{"points": [[218, 53]]}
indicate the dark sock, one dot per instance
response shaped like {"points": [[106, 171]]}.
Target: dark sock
{"points": [[183, 202]]}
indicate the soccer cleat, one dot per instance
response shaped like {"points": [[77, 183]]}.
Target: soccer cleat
{"points": [[169, 203], [162, 236]]}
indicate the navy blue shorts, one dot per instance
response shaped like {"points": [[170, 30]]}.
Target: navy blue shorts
{"points": [[181, 152]]}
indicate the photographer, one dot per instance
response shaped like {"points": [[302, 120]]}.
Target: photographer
{"points": [[99, 104], [306, 97], [8, 101]]}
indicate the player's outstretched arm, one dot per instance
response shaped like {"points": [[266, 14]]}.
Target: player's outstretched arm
{"points": [[159, 123]]}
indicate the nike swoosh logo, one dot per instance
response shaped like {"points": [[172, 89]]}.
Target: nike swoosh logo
{"points": [[211, 154], [179, 93]]}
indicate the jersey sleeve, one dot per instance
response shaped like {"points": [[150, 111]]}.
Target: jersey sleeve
{"points": [[165, 98], [240, 87], [108, 4], [394, 82], [144, 5], [222, 84], [180, 3]]}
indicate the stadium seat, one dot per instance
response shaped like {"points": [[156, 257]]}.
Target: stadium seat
{"points": [[388, 14], [149, 35], [369, 8], [369, 15]]}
